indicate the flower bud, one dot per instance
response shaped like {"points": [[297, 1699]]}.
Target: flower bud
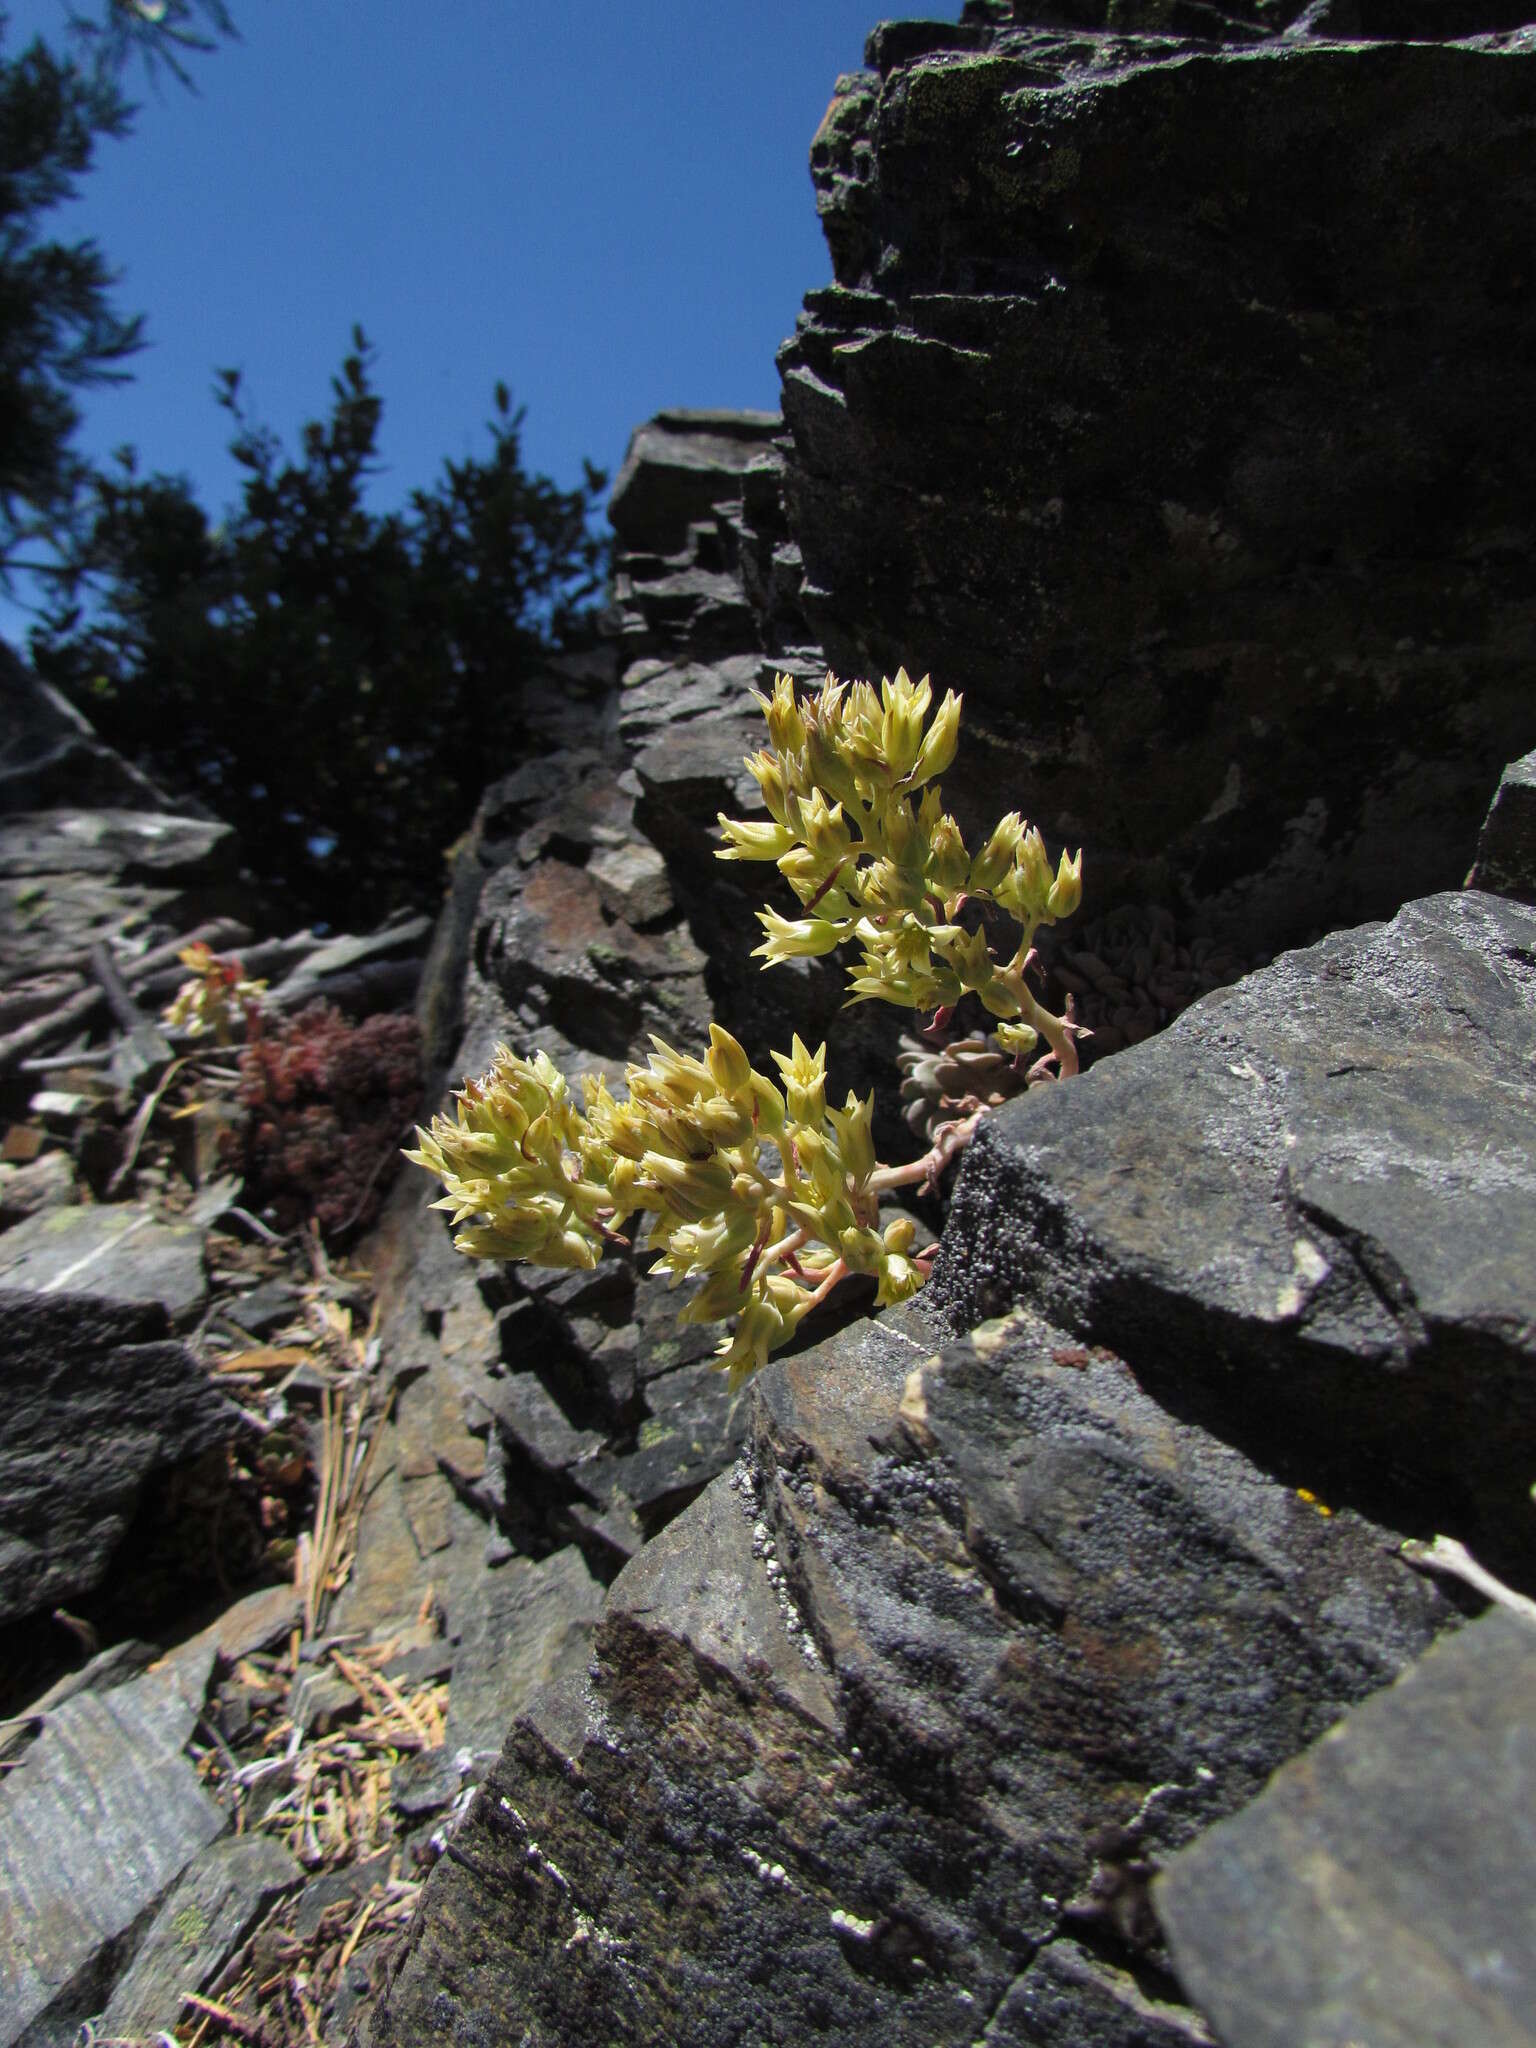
{"points": [[938, 749], [901, 729], [997, 856], [723, 1120], [804, 938], [759, 1328], [778, 798], [786, 727], [825, 829], [854, 1125], [1066, 891], [694, 1188], [829, 765], [805, 1080], [727, 1062], [753, 839], [1034, 867], [862, 1250], [769, 1104], [949, 865], [899, 1235]]}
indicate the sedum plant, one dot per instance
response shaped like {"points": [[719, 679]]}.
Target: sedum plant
{"points": [[753, 1184], [216, 994]]}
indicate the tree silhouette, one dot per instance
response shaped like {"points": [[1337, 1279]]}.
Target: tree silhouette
{"points": [[59, 331], [338, 684]]}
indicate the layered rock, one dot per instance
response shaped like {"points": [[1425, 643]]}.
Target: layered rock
{"points": [[891, 1728], [96, 1405], [1307, 1214], [896, 1724], [1378, 1889], [587, 913], [1180, 422]]}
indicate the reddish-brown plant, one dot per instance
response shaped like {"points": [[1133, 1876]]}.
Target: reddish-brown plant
{"points": [[329, 1103]]}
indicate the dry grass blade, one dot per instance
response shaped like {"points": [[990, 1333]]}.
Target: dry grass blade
{"points": [[345, 1463], [264, 1358], [239, 2023], [141, 1124], [367, 1682]]}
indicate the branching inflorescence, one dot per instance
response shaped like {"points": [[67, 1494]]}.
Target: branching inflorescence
{"points": [[217, 990], [754, 1186]]}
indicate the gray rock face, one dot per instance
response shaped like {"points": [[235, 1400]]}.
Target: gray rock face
{"points": [[1379, 1889], [202, 1922], [50, 754], [1140, 370], [533, 1626], [94, 1401], [1306, 1213], [99, 1818], [117, 1251], [892, 1719], [1506, 846], [677, 467], [70, 878]]}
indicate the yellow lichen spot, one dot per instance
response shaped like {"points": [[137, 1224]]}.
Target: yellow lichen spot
{"points": [[1304, 1493], [990, 1337], [913, 1410]]}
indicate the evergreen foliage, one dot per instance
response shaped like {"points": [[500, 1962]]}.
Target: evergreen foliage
{"points": [[338, 684], [59, 331]]}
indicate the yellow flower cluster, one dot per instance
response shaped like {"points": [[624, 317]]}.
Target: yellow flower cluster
{"points": [[856, 826], [757, 1190], [208, 1001]]}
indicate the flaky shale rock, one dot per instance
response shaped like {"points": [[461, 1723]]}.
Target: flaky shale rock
{"points": [[1306, 1215], [890, 1728], [96, 1403]]}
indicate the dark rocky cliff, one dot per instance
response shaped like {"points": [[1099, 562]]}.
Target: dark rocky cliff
{"points": [[1171, 401]]}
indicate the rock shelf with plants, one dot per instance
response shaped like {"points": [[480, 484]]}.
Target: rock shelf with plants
{"points": [[754, 1187]]}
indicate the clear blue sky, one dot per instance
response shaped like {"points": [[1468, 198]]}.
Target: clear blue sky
{"points": [[606, 206]]}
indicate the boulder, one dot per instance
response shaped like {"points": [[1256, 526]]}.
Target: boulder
{"points": [[1379, 1889], [1506, 846], [890, 1729], [73, 878], [98, 1819], [1306, 1214], [95, 1402], [119, 1251], [1180, 423], [50, 753], [203, 1920]]}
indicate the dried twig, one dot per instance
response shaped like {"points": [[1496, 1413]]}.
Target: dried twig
{"points": [[1446, 1555]]}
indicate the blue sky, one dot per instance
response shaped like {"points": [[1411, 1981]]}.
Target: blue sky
{"points": [[606, 206]]}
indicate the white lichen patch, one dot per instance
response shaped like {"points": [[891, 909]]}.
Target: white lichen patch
{"points": [[766, 1872], [850, 1925], [1308, 1271], [765, 1550]]}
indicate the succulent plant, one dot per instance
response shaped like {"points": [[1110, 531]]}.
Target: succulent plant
{"points": [[210, 1000], [753, 1186]]}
